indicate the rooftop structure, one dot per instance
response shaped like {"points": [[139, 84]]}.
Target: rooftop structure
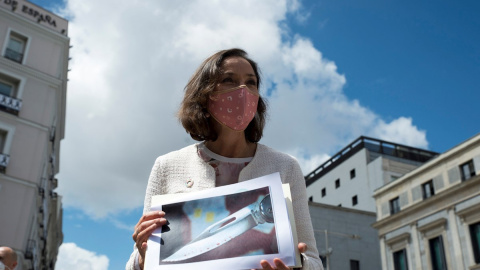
{"points": [[374, 146]]}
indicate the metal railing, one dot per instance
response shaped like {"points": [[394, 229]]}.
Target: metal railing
{"points": [[10, 104], [13, 55], [30, 252], [4, 159], [374, 145]]}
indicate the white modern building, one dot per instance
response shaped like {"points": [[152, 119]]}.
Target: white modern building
{"points": [[341, 199], [430, 217], [351, 176], [34, 49]]}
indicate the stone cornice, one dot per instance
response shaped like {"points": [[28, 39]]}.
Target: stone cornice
{"points": [[23, 69], [31, 24]]}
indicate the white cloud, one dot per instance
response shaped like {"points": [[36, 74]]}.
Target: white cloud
{"points": [[309, 163], [72, 257], [402, 131], [131, 61]]}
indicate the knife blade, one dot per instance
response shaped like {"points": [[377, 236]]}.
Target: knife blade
{"points": [[225, 230]]}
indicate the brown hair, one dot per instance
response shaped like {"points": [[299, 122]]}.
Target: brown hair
{"points": [[193, 108]]}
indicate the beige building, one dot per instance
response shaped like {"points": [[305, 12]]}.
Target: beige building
{"points": [[34, 49], [430, 218]]}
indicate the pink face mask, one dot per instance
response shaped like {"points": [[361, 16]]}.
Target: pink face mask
{"points": [[234, 107]]}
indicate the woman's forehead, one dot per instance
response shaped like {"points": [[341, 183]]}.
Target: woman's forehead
{"points": [[237, 64]]}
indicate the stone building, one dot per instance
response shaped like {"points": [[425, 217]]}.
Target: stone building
{"points": [[430, 217], [34, 49]]}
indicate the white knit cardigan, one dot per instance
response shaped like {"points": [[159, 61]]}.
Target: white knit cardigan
{"points": [[184, 171]]}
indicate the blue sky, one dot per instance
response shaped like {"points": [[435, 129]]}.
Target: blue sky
{"points": [[405, 71], [417, 58]]}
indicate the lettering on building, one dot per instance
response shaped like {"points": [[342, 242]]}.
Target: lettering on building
{"points": [[40, 17]]}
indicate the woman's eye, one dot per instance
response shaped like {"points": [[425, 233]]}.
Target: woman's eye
{"points": [[252, 82], [227, 80]]}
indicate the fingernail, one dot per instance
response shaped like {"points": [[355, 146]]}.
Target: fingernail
{"points": [[264, 264]]}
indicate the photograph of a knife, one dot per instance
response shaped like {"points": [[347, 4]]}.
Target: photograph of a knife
{"points": [[226, 229]]}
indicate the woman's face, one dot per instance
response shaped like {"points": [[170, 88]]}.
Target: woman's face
{"points": [[236, 71]]}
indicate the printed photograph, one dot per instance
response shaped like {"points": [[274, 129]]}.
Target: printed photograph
{"points": [[227, 226]]}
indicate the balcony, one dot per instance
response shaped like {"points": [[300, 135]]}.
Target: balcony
{"points": [[4, 158], [10, 104], [53, 183], [14, 55], [31, 249]]}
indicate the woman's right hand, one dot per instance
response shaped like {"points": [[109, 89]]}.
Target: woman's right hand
{"points": [[144, 228]]}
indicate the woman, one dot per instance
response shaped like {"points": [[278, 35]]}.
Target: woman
{"points": [[229, 151]]}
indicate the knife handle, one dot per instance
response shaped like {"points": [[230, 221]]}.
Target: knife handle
{"points": [[264, 211]]}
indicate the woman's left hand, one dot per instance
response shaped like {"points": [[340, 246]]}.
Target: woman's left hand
{"points": [[302, 247]]}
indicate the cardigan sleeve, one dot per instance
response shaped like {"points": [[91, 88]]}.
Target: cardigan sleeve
{"points": [[153, 187], [294, 176]]}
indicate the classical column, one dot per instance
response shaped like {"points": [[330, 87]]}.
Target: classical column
{"points": [[416, 247], [457, 248]]}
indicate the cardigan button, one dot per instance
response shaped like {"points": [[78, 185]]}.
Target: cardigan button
{"points": [[189, 183]]}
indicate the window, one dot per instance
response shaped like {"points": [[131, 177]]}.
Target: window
{"points": [[340, 205], [475, 236], [8, 94], [8, 86], [394, 177], [354, 265], [4, 158], [468, 170], [352, 174], [394, 206], [15, 47], [437, 253], [310, 199], [337, 183], [354, 200], [3, 139], [428, 190], [324, 192], [400, 260], [324, 261]]}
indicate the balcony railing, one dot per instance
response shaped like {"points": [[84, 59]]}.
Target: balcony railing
{"points": [[10, 104], [53, 183], [31, 248], [4, 159], [14, 55], [373, 145]]}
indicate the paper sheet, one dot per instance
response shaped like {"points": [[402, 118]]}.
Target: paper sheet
{"points": [[191, 213]]}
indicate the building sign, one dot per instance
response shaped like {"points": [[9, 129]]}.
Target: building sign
{"points": [[36, 14]]}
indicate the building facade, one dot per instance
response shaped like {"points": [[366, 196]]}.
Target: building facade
{"points": [[351, 176], [34, 49], [345, 237], [344, 186], [430, 217]]}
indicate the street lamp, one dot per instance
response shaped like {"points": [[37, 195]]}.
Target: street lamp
{"points": [[329, 250]]}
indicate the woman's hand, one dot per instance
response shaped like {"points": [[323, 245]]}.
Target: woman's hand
{"points": [[302, 247], [144, 228]]}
